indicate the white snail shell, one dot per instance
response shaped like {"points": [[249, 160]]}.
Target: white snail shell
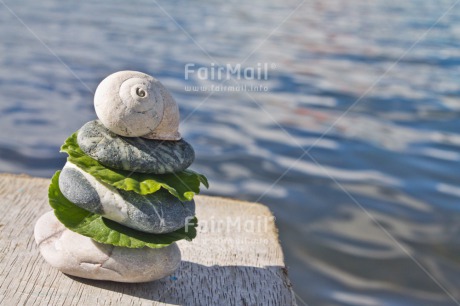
{"points": [[135, 104]]}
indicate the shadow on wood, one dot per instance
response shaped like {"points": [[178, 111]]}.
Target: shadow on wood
{"points": [[195, 284]]}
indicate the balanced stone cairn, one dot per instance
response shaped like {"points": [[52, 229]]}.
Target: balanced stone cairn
{"points": [[125, 194]]}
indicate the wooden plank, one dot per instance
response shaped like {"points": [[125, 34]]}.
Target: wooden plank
{"points": [[235, 260]]}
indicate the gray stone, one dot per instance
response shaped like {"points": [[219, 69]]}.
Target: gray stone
{"points": [[157, 213], [78, 255], [79, 191], [160, 211], [134, 153]]}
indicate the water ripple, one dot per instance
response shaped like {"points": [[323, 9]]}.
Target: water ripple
{"points": [[396, 151]]}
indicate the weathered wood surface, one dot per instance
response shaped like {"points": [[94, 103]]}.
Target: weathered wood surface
{"points": [[235, 260]]}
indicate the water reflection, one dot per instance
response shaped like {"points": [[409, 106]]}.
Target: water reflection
{"points": [[395, 152]]}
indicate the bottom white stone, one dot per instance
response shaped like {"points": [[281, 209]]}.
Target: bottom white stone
{"points": [[78, 255]]}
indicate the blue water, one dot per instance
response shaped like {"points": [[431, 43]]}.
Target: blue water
{"points": [[370, 215]]}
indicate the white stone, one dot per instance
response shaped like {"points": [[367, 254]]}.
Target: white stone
{"points": [[135, 104], [81, 256]]}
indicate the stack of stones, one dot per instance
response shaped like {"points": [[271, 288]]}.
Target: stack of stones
{"points": [[137, 131]]}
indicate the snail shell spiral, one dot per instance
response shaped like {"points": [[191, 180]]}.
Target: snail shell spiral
{"points": [[135, 104]]}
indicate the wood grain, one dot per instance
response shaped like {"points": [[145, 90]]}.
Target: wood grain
{"points": [[235, 260]]}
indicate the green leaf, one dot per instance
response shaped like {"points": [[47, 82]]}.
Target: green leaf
{"points": [[107, 231], [183, 185]]}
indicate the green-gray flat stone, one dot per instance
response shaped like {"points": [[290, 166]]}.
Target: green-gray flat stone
{"points": [[134, 153], [156, 213]]}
